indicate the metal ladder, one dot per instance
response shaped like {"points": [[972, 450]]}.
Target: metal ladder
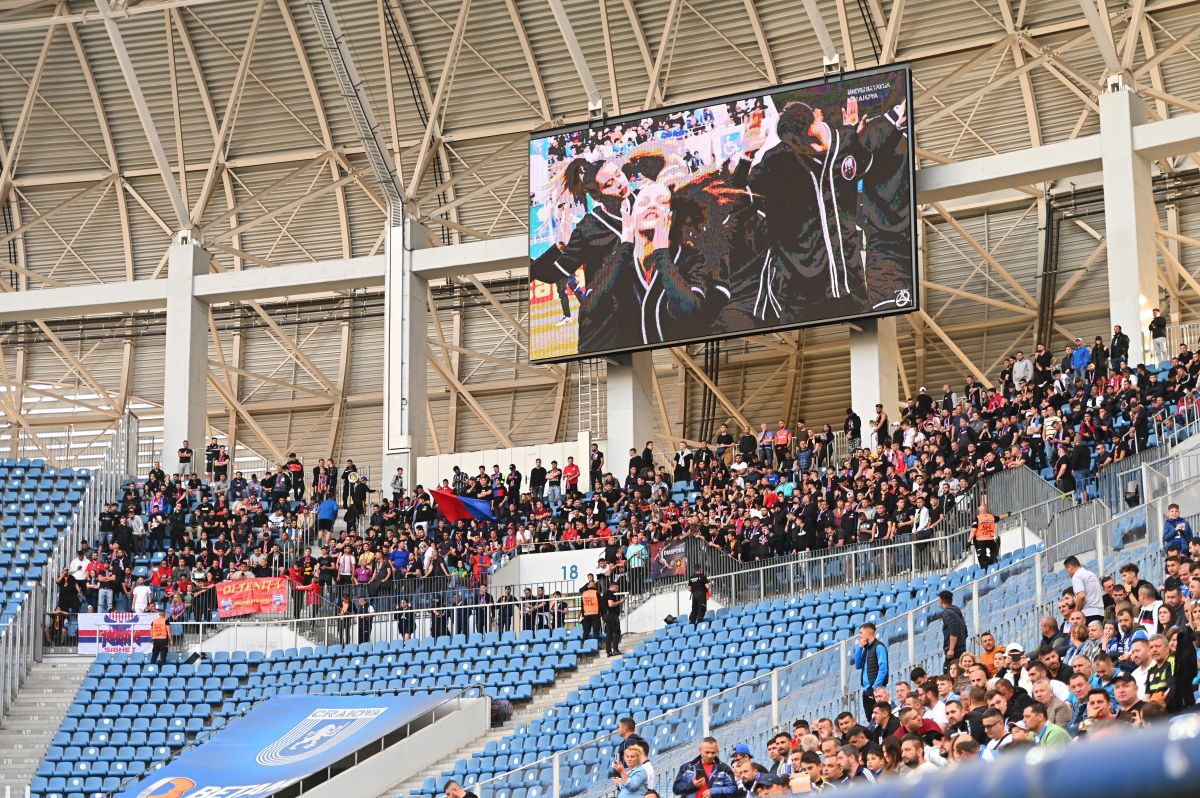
{"points": [[593, 410]]}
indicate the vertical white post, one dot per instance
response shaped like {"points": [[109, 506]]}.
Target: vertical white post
{"points": [[975, 606], [874, 373], [911, 641], [1128, 197], [705, 717], [775, 699], [556, 777], [185, 390], [406, 325], [629, 388], [843, 676], [1037, 577]]}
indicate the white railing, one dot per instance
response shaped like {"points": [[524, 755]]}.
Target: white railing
{"points": [[22, 639], [752, 711]]}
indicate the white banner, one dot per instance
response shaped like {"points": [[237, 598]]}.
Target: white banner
{"points": [[115, 632]]}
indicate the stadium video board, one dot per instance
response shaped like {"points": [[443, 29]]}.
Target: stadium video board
{"points": [[765, 211]]}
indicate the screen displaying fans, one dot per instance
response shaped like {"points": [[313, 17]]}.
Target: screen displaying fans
{"points": [[783, 209]]}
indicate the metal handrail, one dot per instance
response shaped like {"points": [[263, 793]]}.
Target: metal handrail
{"points": [[773, 678]]}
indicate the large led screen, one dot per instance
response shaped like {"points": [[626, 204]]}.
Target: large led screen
{"points": [[761, 212]]}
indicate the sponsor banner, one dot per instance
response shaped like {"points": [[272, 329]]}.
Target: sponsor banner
{"points": [[668, 559], [246, 596], [279, 742], [115, 632]]}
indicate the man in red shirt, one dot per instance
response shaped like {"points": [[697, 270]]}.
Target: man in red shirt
{"points": [[571, 475]]}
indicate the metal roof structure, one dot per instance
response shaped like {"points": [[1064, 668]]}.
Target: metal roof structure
{"points": [[123, 122]]}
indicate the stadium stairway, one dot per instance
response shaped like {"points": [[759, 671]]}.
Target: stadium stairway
{"points": [[35, 717], [544, 699]]}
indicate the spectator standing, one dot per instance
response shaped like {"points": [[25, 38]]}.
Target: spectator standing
{"points": [[347, 483], [1118, 349], [954, 628], [706, 776], [983, 534], [870, 657], [1158, 336], [160, 639], [1177, 532], [184, 453], [610, 606], [1089, 595], [397, 486], [590, 608], [210, 456], [698, 588]]}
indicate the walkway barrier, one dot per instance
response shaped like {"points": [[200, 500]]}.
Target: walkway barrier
{"points": [[821, 684]]}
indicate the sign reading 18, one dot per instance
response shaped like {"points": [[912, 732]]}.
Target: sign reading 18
{"points": [[570, 572]]}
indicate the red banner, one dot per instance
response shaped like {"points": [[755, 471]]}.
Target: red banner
{"points": [[246, 596]]}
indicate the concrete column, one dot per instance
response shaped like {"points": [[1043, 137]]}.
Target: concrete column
{"points": [[630, 389], [1131, 220], [185, 386], [407, 322], [874, 373]]}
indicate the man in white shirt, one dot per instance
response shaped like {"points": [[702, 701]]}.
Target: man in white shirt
{"points": [[1147, 615], [1089, 594], [935, 710], [141, 595], [1139, 653], [77, 568]]}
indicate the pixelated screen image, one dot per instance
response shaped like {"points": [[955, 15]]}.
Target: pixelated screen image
{"points": [[789, 208]]}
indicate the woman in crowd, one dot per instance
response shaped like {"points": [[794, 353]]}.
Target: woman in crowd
{"points": [[632, 779]]}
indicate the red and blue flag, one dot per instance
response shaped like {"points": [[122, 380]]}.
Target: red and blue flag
{"points": [[461, 508]]}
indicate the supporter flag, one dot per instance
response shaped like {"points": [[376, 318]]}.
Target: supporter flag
{"points": [[460, 508]]}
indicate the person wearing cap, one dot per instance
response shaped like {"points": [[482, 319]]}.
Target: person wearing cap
{"points": [[706, 776], [745, 769], [1129, 704], [1080, 357], [773, 785]]}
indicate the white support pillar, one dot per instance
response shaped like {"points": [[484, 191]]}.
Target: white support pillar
{"points": [[630, 389], [407, 321], [185, 387], [1132, 218], [874, 373]]}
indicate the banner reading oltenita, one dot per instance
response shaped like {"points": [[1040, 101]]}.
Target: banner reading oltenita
{"points": [[246, 596], [280, 741]]}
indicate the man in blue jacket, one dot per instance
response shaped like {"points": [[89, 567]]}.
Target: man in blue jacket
{"points": [[706, 776], [1177, 532], [870, 657], [1080, 357]]}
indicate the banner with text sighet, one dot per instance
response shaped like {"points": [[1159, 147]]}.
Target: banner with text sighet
{"points": [[787, 208], [280, 741]]}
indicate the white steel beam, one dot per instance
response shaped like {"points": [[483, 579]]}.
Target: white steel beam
{"points": [[595, 101], [144, 116]]}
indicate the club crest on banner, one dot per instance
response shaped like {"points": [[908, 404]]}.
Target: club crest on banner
{"points": [[320, 731]]}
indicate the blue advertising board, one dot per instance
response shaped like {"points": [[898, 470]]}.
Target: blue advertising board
{"points": [[280, 741]]}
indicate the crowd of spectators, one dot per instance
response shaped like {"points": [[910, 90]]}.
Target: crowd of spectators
{"points": [[1120, 653], [781, 489]]}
